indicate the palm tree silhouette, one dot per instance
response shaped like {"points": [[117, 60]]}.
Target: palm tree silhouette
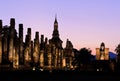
{"points": [[117, 50]]}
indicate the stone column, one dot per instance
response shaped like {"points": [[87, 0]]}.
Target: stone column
{"points": [[70, 62], [32, 50], [0, 41], [15, 58], [42, 58], [72, 58], [59, 59], [11, 41], [63, 62], [21, 55], [45, 52], [42, 43], [62, 58], [107, 54], [42, 51], [56, 58], [26, 56], [27, 50], [5, 45], [16, 52], [53, 55], [36, 51], [49, 56], [29, 43]]}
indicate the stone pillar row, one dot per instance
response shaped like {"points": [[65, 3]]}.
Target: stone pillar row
{"points": [[15, 52]]}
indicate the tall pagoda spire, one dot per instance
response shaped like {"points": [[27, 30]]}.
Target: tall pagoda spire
{"points": [[55, 18], [55, 31], [55, 36], [55, 23]]}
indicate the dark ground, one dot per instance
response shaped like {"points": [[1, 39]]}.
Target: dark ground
{"points": [[58, 76]]}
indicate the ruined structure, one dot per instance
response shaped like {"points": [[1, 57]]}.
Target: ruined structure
{"points": [[40, 52], [56, 44], [68, 54]]}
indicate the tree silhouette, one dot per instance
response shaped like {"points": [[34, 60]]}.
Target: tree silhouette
{"points": [[117, 50], [83, 57]]}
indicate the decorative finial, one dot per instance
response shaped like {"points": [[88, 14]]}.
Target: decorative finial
{"points": [[56, 18]]}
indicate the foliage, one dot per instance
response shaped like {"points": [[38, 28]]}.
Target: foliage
{"points": [[117, 49], [83, 57]]}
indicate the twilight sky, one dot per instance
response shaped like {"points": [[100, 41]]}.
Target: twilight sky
{"points": [[86, 23]]}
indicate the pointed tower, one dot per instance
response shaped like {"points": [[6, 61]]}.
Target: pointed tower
{"points": [[56, 43], [55, 36], [55, 31]]}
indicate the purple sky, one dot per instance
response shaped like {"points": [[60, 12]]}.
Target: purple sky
{"points": [[86, 23]]}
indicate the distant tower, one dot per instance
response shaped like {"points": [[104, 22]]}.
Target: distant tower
{"points": [[102, 53]]}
